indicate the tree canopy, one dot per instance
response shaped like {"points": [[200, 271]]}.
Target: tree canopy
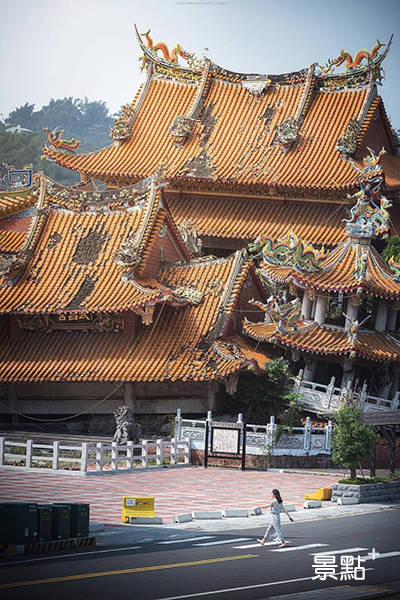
{"points": [[87, 121]]}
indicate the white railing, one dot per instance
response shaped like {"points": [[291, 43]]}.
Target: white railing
{"points": [[94, 458], [329, 399], [260, 439]]}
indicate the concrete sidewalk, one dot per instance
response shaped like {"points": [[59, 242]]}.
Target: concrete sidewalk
{"points": [[127, 535]]}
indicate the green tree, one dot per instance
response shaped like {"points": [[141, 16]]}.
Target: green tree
{"points": [[392, 248], [352, 440], [259, 396]]}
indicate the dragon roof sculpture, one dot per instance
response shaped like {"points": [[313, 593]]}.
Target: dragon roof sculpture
{"points": [[370, 216]]}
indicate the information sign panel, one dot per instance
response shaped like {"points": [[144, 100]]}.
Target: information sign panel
{"points": [[225, 440]]}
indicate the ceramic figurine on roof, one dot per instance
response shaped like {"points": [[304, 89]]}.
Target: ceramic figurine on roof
{"points": [[288, 251], [369, 216], [57, 142], [350, 63]]}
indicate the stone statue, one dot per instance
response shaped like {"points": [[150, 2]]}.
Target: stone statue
{"points": [[127, 430]]}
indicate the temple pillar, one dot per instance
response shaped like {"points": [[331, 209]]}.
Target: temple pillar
{"points": [[392, 317], [348, 372], [396, 379], [381, 316], [309, 369], [12, 402], [129, 395], [306, 305], [320, 309], [352, 310]]}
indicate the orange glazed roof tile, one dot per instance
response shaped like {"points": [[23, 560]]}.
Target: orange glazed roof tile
{"points": [[313, 338], [351, 268], [224, 217], [233, 136], [12, 203], [175, 347], [11, 241], [71, 263]]}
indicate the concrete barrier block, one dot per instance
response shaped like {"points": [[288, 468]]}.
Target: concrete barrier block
{"points": [[289, 507], [257, 510], [183, 518], [207, 514], [344, 500], [145, 520], [235, 512], [312, 504]]}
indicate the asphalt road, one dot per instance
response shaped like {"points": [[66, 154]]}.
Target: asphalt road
{"points": [[214, 566]]}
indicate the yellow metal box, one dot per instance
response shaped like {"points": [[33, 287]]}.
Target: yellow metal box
{"points": [[321, 494], [134, 506]]}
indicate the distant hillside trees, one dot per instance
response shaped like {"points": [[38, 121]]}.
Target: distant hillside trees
{"points": [[87, 121]]}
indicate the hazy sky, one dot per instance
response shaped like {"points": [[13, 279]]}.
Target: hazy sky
{"points": [[57, 48]]}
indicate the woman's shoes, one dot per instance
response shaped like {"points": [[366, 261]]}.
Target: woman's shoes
{"points": [[262, 541], [283, 545]]}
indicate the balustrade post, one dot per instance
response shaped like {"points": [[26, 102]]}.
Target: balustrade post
{"points": [[129, 454], [395, 401], [329, 392], [209, 421], [56, 455], [298, 380], [187, 451], [173, 451], [307, 434], [145, 453], [84, 457], [328, 435], [178, 424], [99, 456], [28, 456], [2, 450], [159, 452], [114, 456], [271, 432]]}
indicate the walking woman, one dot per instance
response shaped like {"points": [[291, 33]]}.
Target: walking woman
{"points": [[275, 524]]}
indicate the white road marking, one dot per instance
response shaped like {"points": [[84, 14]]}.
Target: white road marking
{"points": [[202, 537], [239, 589], [20, 562], [259, 545], [344, 551], [222, 542], [290, 548], [379, 555]]}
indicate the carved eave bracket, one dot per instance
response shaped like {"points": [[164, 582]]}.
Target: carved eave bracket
{"points": [[190, 236], [146, 313]]}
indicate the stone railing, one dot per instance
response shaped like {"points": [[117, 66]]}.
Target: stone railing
{"points": [[328, 398], [263, 439], [94, 458]]}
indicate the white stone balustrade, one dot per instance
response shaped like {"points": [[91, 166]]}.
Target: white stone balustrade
{"points": [[92, 458]]}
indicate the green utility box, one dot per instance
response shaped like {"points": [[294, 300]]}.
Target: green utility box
{"points": [[18, 523], [60, 521], [79, 520], [44, 522]]}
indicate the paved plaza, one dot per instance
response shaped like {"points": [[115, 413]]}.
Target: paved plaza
{"points": [[175, 490]]}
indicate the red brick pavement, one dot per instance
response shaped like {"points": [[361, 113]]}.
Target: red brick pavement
{"points": [[175, 490]]}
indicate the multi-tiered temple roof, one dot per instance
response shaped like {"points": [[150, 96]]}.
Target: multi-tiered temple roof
{"points": [[91, 267], [226, 134]]}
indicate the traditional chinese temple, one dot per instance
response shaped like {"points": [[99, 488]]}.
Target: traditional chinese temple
{"points": [[346, 323], [142, 291]]}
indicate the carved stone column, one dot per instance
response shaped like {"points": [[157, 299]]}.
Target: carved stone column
{"points": [[306, 305], [381, 316], [320, 310], [309, 369], [352, 310], [392, 317]]}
